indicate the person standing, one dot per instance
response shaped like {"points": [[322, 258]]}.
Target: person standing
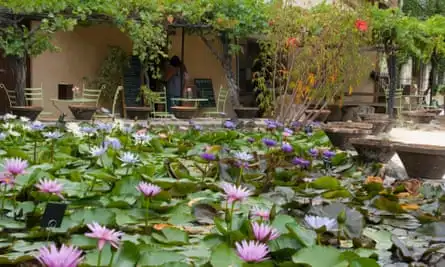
{"points": [[173, 78]]}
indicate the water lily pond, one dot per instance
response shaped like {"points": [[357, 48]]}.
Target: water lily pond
{"points": [[137, 195]]}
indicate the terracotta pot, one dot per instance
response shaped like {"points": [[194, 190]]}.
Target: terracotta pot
{"points": [[373, 116], [30, 112], [182, 112], [247, 112], [322, 114], [81, 112], [373, 150], [138, 113], [422, 161], [419, 116], [340, 137]]}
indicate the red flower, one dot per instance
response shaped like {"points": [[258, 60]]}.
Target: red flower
{"points": [[361, 25]]}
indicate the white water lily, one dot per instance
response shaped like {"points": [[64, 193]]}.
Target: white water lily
{"points": [[317, 222], [9, 116], [141, 137], [24, 119], [244, 156], [129, 158], [98, 151], [53, 135]]}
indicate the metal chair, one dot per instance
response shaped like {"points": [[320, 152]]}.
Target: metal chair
{"points": [[34, 97], [113, 107], [220, 110], [161, 99], [399, 100]]}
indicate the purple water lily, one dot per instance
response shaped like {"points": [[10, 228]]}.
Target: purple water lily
{"points": [[313, 152], [269, 142], [287, 148], [301, 162], [229, 125], [208, 156], [328, 154]]}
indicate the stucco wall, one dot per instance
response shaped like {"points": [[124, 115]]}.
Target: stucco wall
{"points": [[82, 51]]}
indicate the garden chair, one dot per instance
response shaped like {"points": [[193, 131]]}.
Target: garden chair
{"points": [[399, 100], [220, 110], [93, 94], [10, 94], [112, 114], [34, 97], [161, 99]]}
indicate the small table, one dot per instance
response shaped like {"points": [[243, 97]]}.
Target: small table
{"points": [[190, 100], [70, 101]]}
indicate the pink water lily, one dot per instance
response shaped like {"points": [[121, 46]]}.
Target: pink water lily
{"points": [[67, 256], [51, 187], [234, 193], [15, 166], [252, 251], [264, 232], [104, 235], [149, 190]]}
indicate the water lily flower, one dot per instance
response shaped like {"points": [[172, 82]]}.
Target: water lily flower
{"points": [[87, 130], [295, 124], [53, 135], [98, 151], [15, 166], [129, 158], [141, 137], [67, 256], [113, 142], [234, 193], [252, 251], [287, 132], [149, 190], [24, 119], [104, 235], [9, 116], [269, 142], [264, 232], [243, 156], [271, 125], [317, 222], [50, 186], [127, 129], [105, 127], [287, 148], [250, 139], [327, 154], [3, 136], [313, 152], [6, 178], [301, 162], [361, 25], [229, 124], [261, 213], [208, 156], [37, 126]]}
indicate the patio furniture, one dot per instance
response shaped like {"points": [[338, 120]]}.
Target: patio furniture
{"points": [[194, 101], [220, 110], [113, 113], [31, 112], [34, 97], [398, 100], [161, 100]]}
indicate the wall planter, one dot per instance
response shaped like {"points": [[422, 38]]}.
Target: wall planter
{"points": [[419, 116], [422, 161], [29, 112], [322, 115], [138, 113], [81, 112], [378, 126], [340, 137], [247, 112], [182, 112], [373, 150], [349, 125]]}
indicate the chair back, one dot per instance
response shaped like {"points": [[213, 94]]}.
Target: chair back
{"points": [[93, 94], [161, 98], [116, 96], [12, 98], [222, 99], [34, 96]]}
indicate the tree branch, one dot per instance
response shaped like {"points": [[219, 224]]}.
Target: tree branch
{"points": [[213, 50]]}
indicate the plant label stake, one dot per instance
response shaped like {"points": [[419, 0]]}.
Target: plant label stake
{"points": [[53, 216]]}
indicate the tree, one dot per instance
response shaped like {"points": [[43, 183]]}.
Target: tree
{"points": [[311, 57]]}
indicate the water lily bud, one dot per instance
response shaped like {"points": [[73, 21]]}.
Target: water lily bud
{"points": [[341, 218]]}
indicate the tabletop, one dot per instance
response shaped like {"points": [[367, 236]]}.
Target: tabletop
{"points": [[190, 99], [74, 100]]}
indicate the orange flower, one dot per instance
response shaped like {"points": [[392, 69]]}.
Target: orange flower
{"points": [[161, 226], [292, 41], [361, 25], [409, 207]]}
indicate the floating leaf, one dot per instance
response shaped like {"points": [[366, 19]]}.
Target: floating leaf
{"points": [[326, 182], [223, 256], [317, 256]]}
